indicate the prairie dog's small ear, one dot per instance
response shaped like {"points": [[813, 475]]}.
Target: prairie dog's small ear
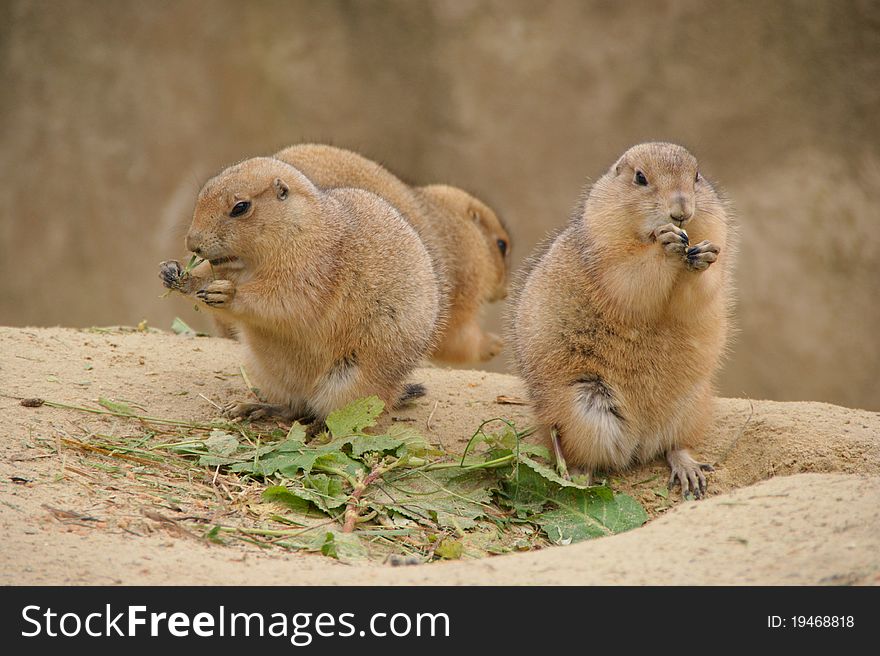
{"points": [[281, 189], [474, 215], [618, 167]]}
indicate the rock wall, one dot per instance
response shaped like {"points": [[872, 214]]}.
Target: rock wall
{"points": [[114, 113]]}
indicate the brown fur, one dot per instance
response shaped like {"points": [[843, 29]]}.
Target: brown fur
{"points": [[316, 289], [616, 335], [460, 232], [478, 271]]}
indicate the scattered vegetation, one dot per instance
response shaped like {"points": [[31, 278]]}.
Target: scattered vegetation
{"points": [[354, 493]]}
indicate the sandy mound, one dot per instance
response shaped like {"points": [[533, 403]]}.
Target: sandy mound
{"points": [[816, 521]]}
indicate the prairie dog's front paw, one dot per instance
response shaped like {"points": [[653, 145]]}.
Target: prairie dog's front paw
{"points": [[491, 346], [699, 257], [218, 293], [673, 239], [171, 272]]}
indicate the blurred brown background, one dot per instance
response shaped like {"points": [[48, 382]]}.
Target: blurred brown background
{"points": [[114, 113]]}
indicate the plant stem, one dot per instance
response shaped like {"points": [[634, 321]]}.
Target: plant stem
{"points": [[154, 420], [339, 472], [351, 508], [489, 464], [278, 533]]}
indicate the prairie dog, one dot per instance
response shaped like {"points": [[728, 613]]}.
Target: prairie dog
{"points": [[332, 292], [620, 325], [467, 242], [479, 271]]}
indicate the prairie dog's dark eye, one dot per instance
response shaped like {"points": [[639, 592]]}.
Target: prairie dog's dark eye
{"points": [[240, 208], [640, 179], [502, 246]]}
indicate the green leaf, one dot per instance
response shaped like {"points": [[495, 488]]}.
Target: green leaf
{"points": [[322, 490], [349, 547], [221, 443], [215, 461], [297, 433], [488, 540], [535, 450], [214, 535], [264, 466], [528, 492], [529, 488], [449, 497], [584, 514], [355, 417], [243, 461], [346, 547], [325, 457], [328, 547], [288, 457], [325, 491], [116, 406], [449, 549], [305, 458], [343, 546], [548, 472], [338, 460], [282, 494], [180, 327], [296, 462], [413, 442], [380, 443], [506, 438]]}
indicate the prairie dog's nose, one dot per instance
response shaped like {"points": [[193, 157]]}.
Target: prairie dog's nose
{"points": [[194, 242], [681, 207]]}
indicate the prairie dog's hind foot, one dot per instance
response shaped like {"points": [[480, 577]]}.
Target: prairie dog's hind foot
{"points": [[688, 473], [490, 346], [468, 343], [255, 411], [411, 392], [699, 257]]}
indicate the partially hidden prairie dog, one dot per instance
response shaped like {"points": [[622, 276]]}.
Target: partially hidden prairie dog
{"points": [[468, 244], [333, 293], [620, 325], [479, 271]]}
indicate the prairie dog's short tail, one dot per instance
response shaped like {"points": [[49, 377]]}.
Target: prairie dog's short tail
{"points": [[412, 391]]}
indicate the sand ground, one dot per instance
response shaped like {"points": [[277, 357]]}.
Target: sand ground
{"points": [[795, 498]]}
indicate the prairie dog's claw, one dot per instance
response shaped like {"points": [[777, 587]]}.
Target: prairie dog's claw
{"points": [[492, 346], [699, 257], [688, 473], [673, 239], [217, 294]]}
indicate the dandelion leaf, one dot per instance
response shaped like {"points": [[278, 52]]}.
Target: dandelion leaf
{"points": [[354, 417], [583, 514]]}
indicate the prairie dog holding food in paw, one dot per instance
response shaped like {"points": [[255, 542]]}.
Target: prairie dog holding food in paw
{"points": [[333, 293], [620, 325], [468, 244]]}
